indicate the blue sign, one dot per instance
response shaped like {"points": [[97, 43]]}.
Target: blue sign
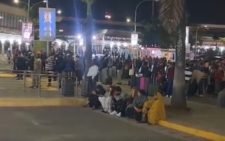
{"points": [[47, 24]]}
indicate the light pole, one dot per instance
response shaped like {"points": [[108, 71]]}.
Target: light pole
{"points": [[136, 9], [29, 7]]}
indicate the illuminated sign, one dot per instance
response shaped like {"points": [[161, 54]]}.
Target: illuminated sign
{"points": [[27, 29], [47, 24], [134, 39]]}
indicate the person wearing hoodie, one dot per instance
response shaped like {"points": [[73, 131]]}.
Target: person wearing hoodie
{"points": [[118, 103]]}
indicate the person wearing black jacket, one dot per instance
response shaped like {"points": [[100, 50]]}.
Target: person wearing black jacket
{"points": [[21, 66], [59, 66]]}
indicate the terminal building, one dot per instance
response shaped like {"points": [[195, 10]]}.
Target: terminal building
{"points": [[11, 19]]}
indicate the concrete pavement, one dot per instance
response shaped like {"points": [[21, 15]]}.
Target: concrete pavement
{"points": [[77, 124]]}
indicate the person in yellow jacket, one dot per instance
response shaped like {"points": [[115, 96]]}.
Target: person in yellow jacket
{"points": [[154, 109]]}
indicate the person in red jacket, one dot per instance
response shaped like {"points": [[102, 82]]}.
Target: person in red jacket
{"points": [[218, 77]]}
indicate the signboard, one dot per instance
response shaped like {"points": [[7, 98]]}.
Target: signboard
{"points": [[40, 46], [27, 29], [47, 24], [134, 39]]}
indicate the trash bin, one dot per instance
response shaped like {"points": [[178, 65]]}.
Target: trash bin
{"points": [[68, 84]]}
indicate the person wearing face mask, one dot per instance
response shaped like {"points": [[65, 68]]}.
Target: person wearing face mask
{"points": [[118, 103], [106, 100]]}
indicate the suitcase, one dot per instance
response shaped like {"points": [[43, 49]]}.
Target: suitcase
{"points": [[144, 84]]}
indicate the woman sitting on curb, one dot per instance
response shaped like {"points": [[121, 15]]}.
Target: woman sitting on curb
{"points": [[154, 109]]}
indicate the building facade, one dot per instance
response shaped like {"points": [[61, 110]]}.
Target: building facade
{"points": [[11, 19]]}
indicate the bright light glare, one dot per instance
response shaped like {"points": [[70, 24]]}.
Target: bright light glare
{"points": [[79, 36], [59, 11], [128, 20], [16, 1], [61, 30], [81, 42], [125, 44], [112, 44], [107, 16], [1, 17], [118, 44], [45, 1], [94, 37]]}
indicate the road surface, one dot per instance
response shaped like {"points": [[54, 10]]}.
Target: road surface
{"points": [[76, 124]]}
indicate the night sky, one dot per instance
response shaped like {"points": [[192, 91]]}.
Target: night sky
{"points": [[199, 11]]}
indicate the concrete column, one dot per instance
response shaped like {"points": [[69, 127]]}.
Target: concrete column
{"points": [[3, 48]]}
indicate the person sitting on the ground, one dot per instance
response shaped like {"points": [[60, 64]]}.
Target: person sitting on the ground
{"points": [[106, 100], [154, 109], [93, 98], [130, 113], [135, 110], [118, 103]]}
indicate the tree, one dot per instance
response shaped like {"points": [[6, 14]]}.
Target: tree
{"points": [[154, 33], [172, 16], [88, 52]]}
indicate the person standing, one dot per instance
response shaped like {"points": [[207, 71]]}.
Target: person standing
{"points": [[92, 77], [21, 65], [36, 71], [170, 77], [59, 66], [49, 67]]}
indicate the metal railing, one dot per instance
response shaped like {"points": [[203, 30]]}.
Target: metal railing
{"points": [[31, 84]]}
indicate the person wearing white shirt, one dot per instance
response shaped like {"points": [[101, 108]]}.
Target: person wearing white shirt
{"points": [[92, 77]]}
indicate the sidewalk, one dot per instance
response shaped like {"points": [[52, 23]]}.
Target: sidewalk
{"points": [[204, 120], [13, 93]]}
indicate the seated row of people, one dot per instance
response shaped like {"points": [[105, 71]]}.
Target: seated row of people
{"points": [[136, 106]]}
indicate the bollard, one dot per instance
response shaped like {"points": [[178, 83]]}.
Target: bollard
{"points": [[76, 87], [24, 81], [39, 85]]}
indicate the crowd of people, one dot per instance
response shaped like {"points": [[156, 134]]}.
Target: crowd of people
{"points": [[147, 74], [53, 65]]}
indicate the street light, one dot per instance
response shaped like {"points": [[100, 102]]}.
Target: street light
{"points": [[29, 7], [108, 16], [16, 1], [138, 5], [59, 12], [128, 20]]}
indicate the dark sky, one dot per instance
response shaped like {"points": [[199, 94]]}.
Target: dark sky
{"points": [[200, 11]]}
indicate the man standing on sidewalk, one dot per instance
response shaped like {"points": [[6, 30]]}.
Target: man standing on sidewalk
{"points": [[49, 67], [37, 71], [92, 77]]}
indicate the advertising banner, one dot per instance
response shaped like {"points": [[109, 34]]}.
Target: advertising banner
{"points": [[134, 39], [47, 24], [27, 29], [40, 46]]}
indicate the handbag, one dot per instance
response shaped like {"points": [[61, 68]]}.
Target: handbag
{"points": [[131, 72]]}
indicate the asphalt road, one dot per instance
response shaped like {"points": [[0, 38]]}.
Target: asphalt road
{"points": [[76, 124]]}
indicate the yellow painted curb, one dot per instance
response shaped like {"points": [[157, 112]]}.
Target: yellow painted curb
{"points": [[42, 102], [192, 131], [7, 75]]}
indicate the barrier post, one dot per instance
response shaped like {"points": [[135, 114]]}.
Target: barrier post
{"points": [[39, 85], [76, 87], [24, 81]]}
